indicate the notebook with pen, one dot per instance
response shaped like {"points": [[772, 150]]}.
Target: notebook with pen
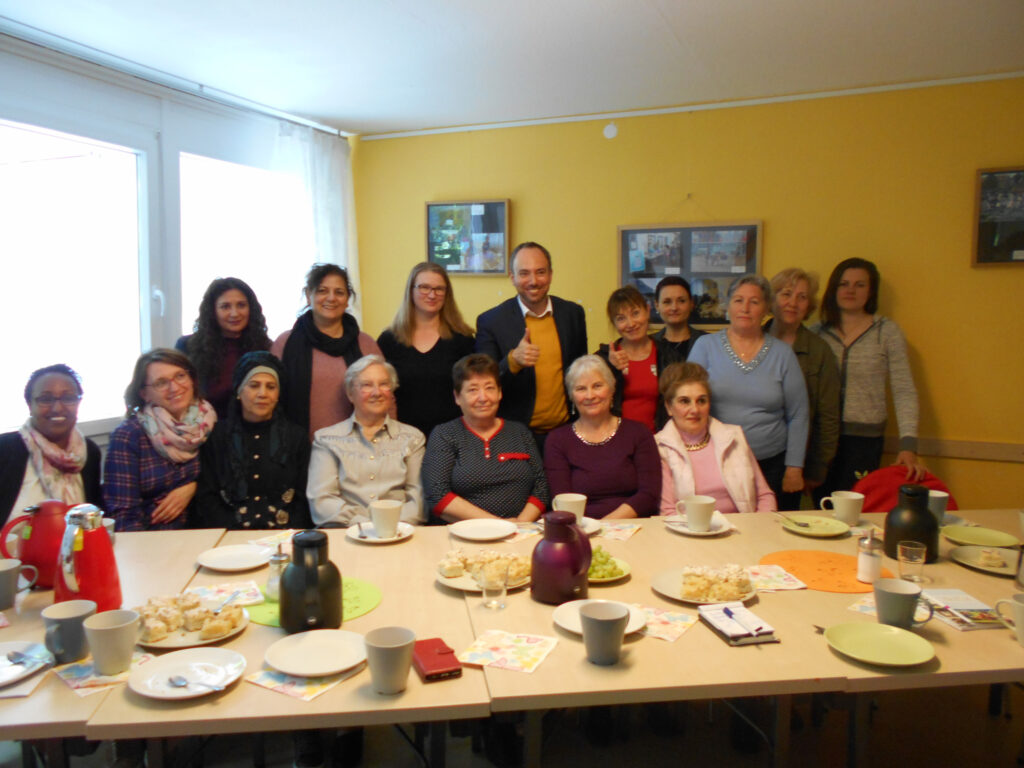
{"points": [[736, 624]]}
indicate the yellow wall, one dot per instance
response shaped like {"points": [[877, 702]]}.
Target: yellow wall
{"points": [[886, 176]]}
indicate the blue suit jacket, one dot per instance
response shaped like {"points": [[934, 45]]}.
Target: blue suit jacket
{"points": [[499, 331]]}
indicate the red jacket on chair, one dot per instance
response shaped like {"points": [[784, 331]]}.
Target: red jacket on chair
{"points": [[881, 488]]}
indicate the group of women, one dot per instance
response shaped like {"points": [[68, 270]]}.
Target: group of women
{"points": [[231, 430]]}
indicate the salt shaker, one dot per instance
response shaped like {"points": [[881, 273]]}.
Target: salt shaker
{"points": [[278, 562], [869, 558]]}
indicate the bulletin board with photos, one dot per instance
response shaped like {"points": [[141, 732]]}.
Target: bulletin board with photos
{"points": [[708, 255], [469, 237]]}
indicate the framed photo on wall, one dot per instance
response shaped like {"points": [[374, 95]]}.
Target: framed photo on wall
{"points": [[709, 256], [999, 216], [469, 237]]}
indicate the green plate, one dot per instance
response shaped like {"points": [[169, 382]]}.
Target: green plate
{"points": [[626, 570], [979, 537], [879, 644], [818, 527]]}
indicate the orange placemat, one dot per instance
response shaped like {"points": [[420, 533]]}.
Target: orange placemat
{"points": [[823, 571]]}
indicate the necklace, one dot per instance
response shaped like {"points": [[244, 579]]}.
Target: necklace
{"points": [[697, 446], [584, 440]]}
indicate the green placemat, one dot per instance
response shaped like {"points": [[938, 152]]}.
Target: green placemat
{"points": [[358, 597]]}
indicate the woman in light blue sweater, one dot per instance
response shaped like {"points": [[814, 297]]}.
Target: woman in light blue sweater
{"points": [[758, 385]]}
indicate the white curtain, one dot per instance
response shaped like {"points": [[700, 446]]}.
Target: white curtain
{"points": [[323, 162]]}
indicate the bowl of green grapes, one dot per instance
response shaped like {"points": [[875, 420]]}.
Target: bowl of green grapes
{"points": [[604, 568]]}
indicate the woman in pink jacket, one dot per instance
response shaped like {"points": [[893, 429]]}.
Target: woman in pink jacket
{"points": [[702, 455]]}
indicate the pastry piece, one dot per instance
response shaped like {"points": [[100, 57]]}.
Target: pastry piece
{"points": [[195, 618], [450, 567], [153, 630], [188, 602], [991, 558], [232, 614], [213, 628]]}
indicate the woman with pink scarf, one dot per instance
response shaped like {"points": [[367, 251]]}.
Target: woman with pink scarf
{"points": [[48, 458], [149, 477]]}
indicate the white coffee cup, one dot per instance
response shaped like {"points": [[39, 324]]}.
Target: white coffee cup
{"points": [[384, 514], [109, 523], [112, 636], [699, 510], [937, 501], [389, 656], [571, 502], [1016, 619], [846, 506], [604, 626]]}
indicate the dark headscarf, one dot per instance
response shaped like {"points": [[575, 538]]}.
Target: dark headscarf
{"points": [[231, 464], [298, 360]]}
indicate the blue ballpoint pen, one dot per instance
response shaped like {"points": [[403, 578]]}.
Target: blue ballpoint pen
{"points": [[729, 612]]}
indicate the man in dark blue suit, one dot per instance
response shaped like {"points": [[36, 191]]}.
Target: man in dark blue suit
{"points": [[534, 337]]}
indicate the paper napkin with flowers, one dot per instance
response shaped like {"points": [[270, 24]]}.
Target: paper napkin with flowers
{"points": [[526, 530], [769, 578], [305, 688], [507, 650], [618, 531], [85, 681], [665, 625], [250, 592]]}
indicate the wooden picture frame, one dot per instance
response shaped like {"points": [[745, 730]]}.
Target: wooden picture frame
{"points": [[469, 237], [709, 255], [999, 216]]}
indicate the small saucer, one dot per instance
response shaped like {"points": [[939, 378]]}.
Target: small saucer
{"points": [[405, 531]]}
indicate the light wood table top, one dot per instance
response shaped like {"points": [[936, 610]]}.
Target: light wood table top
{"points": [[404, 574], [700, 665], [147, 563]]}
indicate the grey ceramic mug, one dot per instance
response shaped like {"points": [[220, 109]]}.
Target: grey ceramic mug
{"points": [[604, 625], [10, 572], [65, 635], [896, 603]]}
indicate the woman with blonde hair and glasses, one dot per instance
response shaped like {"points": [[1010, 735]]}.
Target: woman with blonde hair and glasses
{"points": [[423, 342], [796, 298]]}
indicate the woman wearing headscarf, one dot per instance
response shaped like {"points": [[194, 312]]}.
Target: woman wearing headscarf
{"points": [[230, 323], [319, 349], [152, 465], [253, 468], [48, 458]]}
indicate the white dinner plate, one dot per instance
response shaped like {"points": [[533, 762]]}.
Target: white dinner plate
{"points": [[670, 583], [182, 639], [467, 583], [405, 531], [718, 525], [567, 616], [13, 673], [235, 557], [317, 653], [482, 529], [216, 666]]}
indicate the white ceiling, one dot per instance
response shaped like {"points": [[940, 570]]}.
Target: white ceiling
{"points": [[375, 66]]}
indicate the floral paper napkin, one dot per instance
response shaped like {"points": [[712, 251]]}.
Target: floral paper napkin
{"points": [[618, 531], [281, 537], [304, 688], [665, 625], [83, 679], [506, 650], [526, 530], [770, 578], [251, 594]]}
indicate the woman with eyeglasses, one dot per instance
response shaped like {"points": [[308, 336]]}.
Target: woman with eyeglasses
{"points": [[423, 342], [367, 457], [319, 349], [149, 477], [48, 458], [230, 323]]}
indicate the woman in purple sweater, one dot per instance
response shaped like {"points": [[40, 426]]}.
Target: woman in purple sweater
{"points": [[611, 460]]}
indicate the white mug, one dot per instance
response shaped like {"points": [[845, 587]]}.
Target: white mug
{"points": [[1016, 620], [385, 514], [699, 510], [389, 657], [112, 636], [846, 506], [570, 502]]}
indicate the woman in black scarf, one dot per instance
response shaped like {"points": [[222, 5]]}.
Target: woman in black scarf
{"points": [[319, 348], [253, 468]]}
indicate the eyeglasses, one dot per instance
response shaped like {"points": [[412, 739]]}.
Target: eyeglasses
{"points": [[48, 401], [368, 386], [162, 385], [427, 290]]}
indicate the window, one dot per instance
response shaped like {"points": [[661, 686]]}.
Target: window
{"points": [[69, 235], [245, 222]]}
